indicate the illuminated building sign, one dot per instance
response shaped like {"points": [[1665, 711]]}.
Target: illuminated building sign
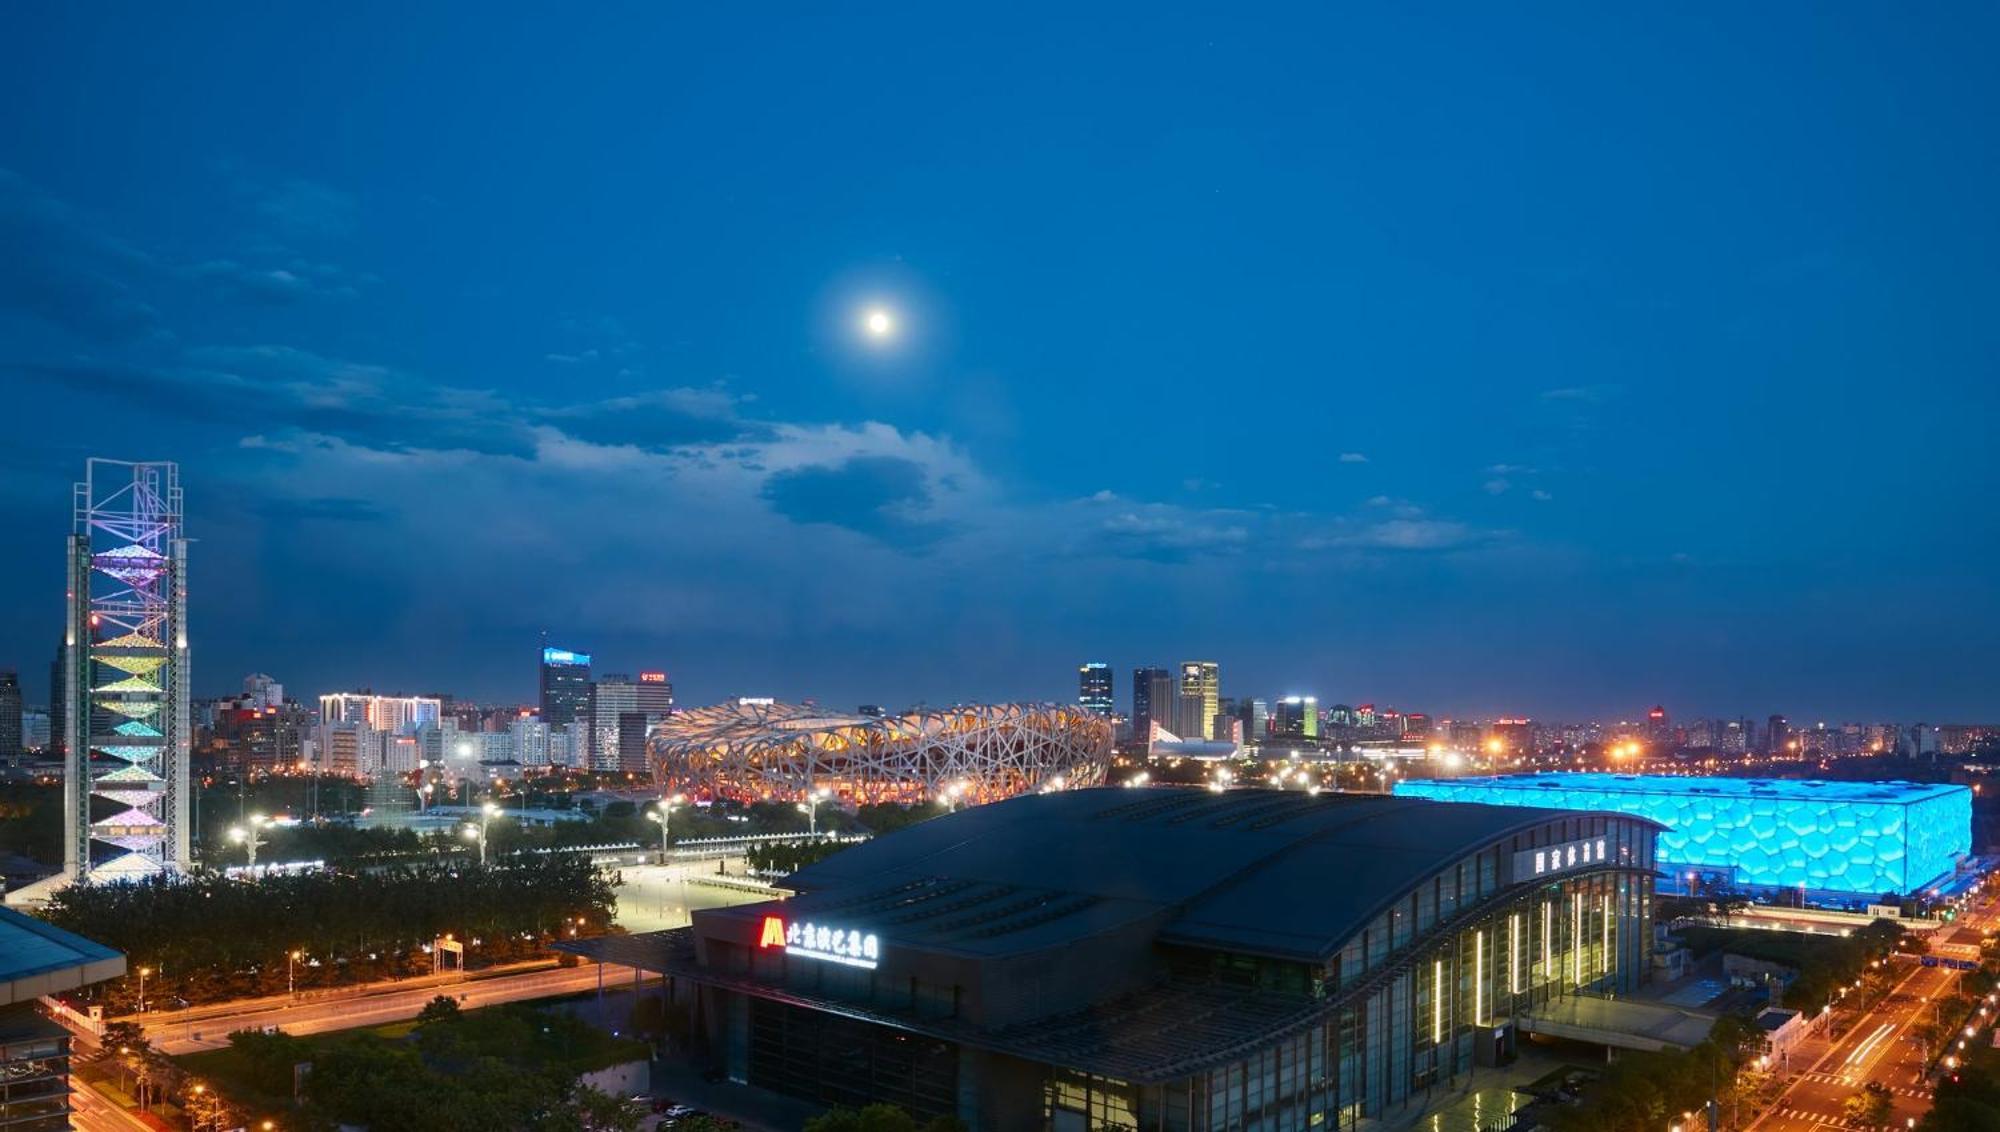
{"points": [[564, 656], [819, 941], [1558, 858], [652, 678]]}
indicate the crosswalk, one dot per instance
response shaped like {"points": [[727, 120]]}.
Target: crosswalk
{"points": [[1914, 1092]]}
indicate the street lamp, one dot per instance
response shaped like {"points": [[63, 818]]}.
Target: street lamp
{"points": [[487, 813], [810, 807], [665, 816], [143, 972], [246, 836], [291, 973]]}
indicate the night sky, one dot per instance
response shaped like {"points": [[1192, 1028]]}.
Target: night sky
{"points": [[1473, 359]]}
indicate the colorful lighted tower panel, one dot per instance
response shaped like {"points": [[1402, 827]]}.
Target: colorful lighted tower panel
{"points": [[125, 659]]}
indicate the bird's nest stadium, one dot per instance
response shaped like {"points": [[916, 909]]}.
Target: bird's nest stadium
{"points": [[756, 751]]}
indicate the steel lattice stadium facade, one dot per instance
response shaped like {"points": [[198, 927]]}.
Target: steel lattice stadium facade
{"points": [[1166, 959], [753, 750], [1840, 840]]}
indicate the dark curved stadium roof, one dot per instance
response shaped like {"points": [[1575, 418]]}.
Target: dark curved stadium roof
{"points": [[1271, 872]]}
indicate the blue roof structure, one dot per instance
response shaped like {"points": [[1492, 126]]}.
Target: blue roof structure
{"points": [[38, 958]]}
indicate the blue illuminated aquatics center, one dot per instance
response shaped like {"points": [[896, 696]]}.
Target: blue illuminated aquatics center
{"points": [[1852, 839]]}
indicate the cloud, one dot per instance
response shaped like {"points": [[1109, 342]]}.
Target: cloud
{"points": [[1353, 458], [64, 271], [1403, 535], [658, 421], [1541, 496], [1496, 486], [882, 497], [303, 209], [1166, 534], [276, 285], [1509, 470]]}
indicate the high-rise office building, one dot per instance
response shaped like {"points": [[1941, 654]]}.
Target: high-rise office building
{"points": [[1093, 688], [11, 744], [612, 696], [565, 687], [1200, 696], [656, 693], [622, 711], [1298, 717], [1152, 701], [1776, 735], [125, 676]]}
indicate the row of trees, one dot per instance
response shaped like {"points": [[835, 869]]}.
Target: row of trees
{"points": [[1641, 1092], [205, 938], [508, 1067]]}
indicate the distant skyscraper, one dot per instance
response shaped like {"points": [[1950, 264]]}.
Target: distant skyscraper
{"points": [[1200, 696], [622, 712], [1298, 717], [1152, 700], [35, 730], [125, 676], [10, 718], [612, 696], [565, 687], [1776, 735], [1093, 688]]}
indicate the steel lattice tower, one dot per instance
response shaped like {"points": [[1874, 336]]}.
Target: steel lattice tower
{"points": [[125, 660]]}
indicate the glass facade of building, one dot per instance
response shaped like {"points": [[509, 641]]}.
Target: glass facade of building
{"points": [[1418, 990]]}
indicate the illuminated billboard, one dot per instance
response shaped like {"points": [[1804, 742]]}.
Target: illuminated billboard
{"points": [[1856, 838], [565, 656]]}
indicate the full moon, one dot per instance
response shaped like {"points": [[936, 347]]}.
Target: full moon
{"points": [[878, 323]]}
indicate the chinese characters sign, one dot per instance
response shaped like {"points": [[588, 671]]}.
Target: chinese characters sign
{"points": [[824, 942], [1555, 859]]}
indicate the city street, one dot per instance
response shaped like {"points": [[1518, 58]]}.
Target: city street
{"points": [[210, 1027], [1879, 1045], [91, 1111]]}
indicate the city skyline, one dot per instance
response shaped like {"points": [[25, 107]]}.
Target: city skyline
{"points": [[1356, 363]]}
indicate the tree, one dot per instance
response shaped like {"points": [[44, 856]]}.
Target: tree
{"points": [[442, 1008], [205, 1108], [1870, 1107], [597, 1111]]}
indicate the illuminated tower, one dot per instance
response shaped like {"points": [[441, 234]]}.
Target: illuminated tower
{"points": [[125, 676], [1093, 689]]}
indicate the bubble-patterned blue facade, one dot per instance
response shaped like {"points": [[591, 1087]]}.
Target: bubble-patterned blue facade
{"points": [[1853, 838]]}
